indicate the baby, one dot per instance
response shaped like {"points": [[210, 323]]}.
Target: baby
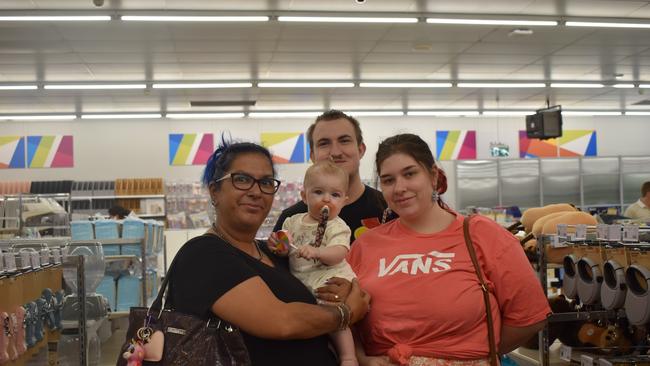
{"points": [[319, 240]]}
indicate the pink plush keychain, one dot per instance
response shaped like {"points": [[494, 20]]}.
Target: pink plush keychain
{"points": [[19, 330], [4, 338], [134, 354]]}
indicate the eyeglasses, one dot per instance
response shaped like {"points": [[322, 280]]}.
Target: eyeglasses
{"points": [[244, 182]]}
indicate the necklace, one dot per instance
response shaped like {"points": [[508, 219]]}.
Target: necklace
{"points": [[260, 256]]}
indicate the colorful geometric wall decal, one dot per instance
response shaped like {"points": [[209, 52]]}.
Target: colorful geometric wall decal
{"points": [[50, 151], [190, 148], [572, 143], [286, 147], [456, 145], [12, 152]]}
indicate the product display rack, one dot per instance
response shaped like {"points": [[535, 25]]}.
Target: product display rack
{"points": [[114, 199], [24, 198]]}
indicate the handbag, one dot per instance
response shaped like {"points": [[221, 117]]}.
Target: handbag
{"points": [[188, 339], [486, 294]]}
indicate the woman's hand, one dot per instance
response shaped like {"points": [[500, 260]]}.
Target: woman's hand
{"points": [[358, 301], [335, 290]]}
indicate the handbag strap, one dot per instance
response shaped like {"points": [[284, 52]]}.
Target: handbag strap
{"points": [[484, 289]]}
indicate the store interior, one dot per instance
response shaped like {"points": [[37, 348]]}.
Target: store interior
{"points": [[116, 102]]}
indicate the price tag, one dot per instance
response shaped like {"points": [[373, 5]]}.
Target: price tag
{"points": [[586, 360], [45, 256], [35, 259], [565, 353], [602, 231], [561, 230], [581, 232], [10, 262], [614, 232], [554, 240], [631, 233], [56, 256]]}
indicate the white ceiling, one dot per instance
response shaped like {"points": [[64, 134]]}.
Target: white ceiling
{"points": [[141, 51]]}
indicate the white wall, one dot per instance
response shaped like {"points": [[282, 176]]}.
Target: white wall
{"points": [[138, 148]]}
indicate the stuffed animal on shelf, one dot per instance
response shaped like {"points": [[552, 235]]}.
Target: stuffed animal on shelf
{"points": [[5, 332], [19, 330]]}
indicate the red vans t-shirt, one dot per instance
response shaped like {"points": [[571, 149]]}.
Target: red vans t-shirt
{"points": [[426, 299]]}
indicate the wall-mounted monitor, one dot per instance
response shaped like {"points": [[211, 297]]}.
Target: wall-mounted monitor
{"points": [[545, 123]]}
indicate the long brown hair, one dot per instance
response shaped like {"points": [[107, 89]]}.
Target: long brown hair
{"points": [[413, 146]]}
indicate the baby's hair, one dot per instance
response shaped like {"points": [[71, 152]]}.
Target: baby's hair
{"points": [[325, 167]]}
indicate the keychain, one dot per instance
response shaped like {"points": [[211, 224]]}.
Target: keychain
{"points": [[134, 354], [152, 342]]}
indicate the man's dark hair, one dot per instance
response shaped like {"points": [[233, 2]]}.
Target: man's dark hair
{"points": [[118, 211], [331, 115]]}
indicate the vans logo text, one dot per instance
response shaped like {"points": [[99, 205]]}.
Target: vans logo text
{"points": [[414, 263]]}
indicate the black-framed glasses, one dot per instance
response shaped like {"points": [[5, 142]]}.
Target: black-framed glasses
{"points": [[244, 182]]}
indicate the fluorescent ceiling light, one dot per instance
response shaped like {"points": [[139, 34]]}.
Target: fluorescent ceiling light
{"points": [[404, 85], [492, 22], [203, 115], [375, 113], [200, 85], [623, 86], [590, 113], [49, 18], [507, 113], [18, 87], [121, 116], [637, 113], [442, 113], [346, 19], [501, 85], [193, 18], [644, 86], [607, 25], [283, 114], [576, 85], [93, 86], [38, 117], [305, 85]]}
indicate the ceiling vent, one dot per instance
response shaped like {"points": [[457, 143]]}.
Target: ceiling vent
{"points": [[222, 103], [642, 102]]}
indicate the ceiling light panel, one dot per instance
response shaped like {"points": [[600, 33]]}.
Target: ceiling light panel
{"points": [[542, 23], [58, 117], [637, 113], [443, 113], [608, 25], [376, 113], [305, 85], [203, 115], [507, 113], [55, 18], [193, 18], [590, 113], [345, 19], [93, 86], [121, 116], [18, 87], [576, 85], [200, 85], [623, 86], [501, 85], [403, 85], [283, 114]]}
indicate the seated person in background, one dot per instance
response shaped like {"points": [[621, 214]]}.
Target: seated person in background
{"points": [[641, 208], [319, 243], [118, 212]]}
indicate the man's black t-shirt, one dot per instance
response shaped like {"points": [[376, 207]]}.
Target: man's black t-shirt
{"points": [[369, 205], [207, 267]]}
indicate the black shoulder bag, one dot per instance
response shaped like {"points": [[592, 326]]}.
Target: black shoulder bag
{"points": [[188, 340]]}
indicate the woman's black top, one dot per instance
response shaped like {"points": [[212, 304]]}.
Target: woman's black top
{"points": [[207, 267]]}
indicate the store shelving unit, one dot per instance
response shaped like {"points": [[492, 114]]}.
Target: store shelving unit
{"points": [[15, 222]]}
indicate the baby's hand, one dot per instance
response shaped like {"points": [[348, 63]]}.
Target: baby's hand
{"points": [[308, 252], [277, 246]]}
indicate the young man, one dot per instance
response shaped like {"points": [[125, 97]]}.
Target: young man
{"points": [[641, 208], [336, 136]]}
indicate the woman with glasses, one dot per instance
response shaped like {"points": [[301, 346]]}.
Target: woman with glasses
{"points": [[227, 273]]}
